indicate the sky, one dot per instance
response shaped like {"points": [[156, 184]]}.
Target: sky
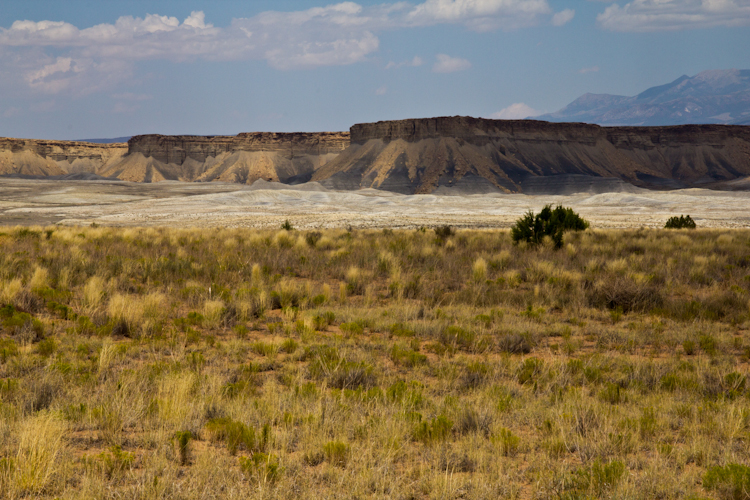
{"points": [[81, 69]]}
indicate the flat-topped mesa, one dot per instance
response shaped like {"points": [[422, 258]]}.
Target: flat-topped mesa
{"points": [[177, 148], [481, 131], [47, 158], [482, 155], [63, 150]]}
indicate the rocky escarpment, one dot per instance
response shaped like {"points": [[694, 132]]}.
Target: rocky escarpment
{"points": [[244, 158], [178, 148], [478, 155], [44, 158]]}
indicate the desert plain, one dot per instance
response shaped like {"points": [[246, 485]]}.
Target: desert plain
{"points": [[310, 206]]}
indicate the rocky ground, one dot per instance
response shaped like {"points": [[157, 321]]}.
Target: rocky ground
{"points": [[176, 204]]}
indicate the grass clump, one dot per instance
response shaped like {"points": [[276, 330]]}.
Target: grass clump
{"points": [[336, 453], [263, 468], [235, 434], [433, 431], [730, 482]]}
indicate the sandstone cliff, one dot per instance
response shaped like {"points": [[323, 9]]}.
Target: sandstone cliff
{"points": [[244, 158], [44, 158], [479, 155]]}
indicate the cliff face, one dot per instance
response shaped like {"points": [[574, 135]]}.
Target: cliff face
{"points": [[178, 148], [42, 157], [244, 158], [422, 155]]}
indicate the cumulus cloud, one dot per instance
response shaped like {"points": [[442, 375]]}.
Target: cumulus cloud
{"points": [[448, 64], [665, 15], [90, 59], [517, 111], [480, 15], [563, 17]]}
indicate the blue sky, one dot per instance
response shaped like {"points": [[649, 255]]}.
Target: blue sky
{"points": [[87, 69]]}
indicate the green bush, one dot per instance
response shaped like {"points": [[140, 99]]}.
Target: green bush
{"points": [[681, 222], [549, 222], [731, 482]]}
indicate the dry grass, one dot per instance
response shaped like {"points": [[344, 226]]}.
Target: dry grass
{"points": [[155, 363]]}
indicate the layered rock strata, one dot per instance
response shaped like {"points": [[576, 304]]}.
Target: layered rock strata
{"points": [[46, 158], [422, 155], [178, 148], [244, 158]]}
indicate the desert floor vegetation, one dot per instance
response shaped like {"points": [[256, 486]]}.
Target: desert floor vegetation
{"points": [[171, 363]]}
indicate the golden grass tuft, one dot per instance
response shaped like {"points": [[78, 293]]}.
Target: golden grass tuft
{"points": [[41, 443]]}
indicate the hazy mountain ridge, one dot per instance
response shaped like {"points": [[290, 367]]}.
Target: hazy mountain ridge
{"points": [[710, 97]]}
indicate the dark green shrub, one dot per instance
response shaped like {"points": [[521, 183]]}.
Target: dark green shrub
{"points": [[731, 482], [549, 222], [287, 226], [681, 222], [444, 232]]}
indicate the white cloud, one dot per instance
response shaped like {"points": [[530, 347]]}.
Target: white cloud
{"points": [[417, 61], [61, 65], [592, 69], [381, 91], [94, 58], [666, 15], [448, 64], [480, 15], [517, 111], [563, 17]]}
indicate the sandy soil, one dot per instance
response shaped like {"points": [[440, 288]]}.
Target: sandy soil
{"points": [[42, 202]]}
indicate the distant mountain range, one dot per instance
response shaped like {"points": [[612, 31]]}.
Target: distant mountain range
{"points": [[711, 97]]}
